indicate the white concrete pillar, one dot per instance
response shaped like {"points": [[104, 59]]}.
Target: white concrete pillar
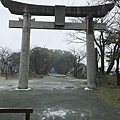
{"points": [[91, 63], [24, 58]]}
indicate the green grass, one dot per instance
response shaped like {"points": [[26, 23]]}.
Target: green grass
{"points": [[16, 76], [109, 91], [10, 77], [109, 80], [110, 96], [83, 83]]}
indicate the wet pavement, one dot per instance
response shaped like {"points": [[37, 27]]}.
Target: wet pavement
{"points": [[55, 98]]}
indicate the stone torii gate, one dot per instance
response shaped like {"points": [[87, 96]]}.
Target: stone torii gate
{"points": [[60, 12]]}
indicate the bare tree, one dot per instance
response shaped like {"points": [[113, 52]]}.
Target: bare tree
{"points": [[39, 60], [4, 55], [78, 65], [14, 62], [102, 38]]}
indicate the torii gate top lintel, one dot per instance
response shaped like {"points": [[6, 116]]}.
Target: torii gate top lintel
{"points": [[18, 8]]}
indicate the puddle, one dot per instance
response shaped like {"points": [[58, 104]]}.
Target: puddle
{"points": [[70, 87], [56, 86], [2, 87], [58, 113], [53, 114]]}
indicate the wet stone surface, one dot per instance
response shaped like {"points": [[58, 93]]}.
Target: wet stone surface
{"points": [[64, 114], [55, 98]]}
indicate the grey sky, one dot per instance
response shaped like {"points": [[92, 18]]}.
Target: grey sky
{"points": [[51, 39]]}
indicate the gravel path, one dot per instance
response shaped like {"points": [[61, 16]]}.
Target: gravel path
{"points": [[55, 98]]}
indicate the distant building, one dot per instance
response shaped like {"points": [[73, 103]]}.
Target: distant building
{"points": [[52, 70]]}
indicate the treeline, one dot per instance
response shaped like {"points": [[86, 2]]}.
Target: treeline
{"points": [[43, 61]]}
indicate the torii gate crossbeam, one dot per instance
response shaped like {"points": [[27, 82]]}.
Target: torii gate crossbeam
{"points": [[51, 25], [60, 12]]}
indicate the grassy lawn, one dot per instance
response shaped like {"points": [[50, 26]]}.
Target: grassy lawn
{"points": [[109, 91], [16, 76], [10, 77], [110, 96]]}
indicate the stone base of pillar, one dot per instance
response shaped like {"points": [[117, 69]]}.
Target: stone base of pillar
{"points": [[28, 89], [92, 85]]}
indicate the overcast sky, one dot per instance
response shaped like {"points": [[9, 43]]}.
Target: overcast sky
{"points": [[11, 37]]}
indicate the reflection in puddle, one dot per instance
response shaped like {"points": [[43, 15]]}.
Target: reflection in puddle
{"points": [[52, 113], [58, 113], [2, 87]]}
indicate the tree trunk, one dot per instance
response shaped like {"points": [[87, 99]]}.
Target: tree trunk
{"points": [[115, 54], [117, 71], [36, 69], [2, 68], [110, 67], [102, 60], [96, 57], [75, 71]]}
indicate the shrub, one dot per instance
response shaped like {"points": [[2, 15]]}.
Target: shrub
{"points": [[109, 80]]}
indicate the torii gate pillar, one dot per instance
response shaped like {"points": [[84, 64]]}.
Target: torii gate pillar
{"points": [[91, 66], [25, 48]]}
